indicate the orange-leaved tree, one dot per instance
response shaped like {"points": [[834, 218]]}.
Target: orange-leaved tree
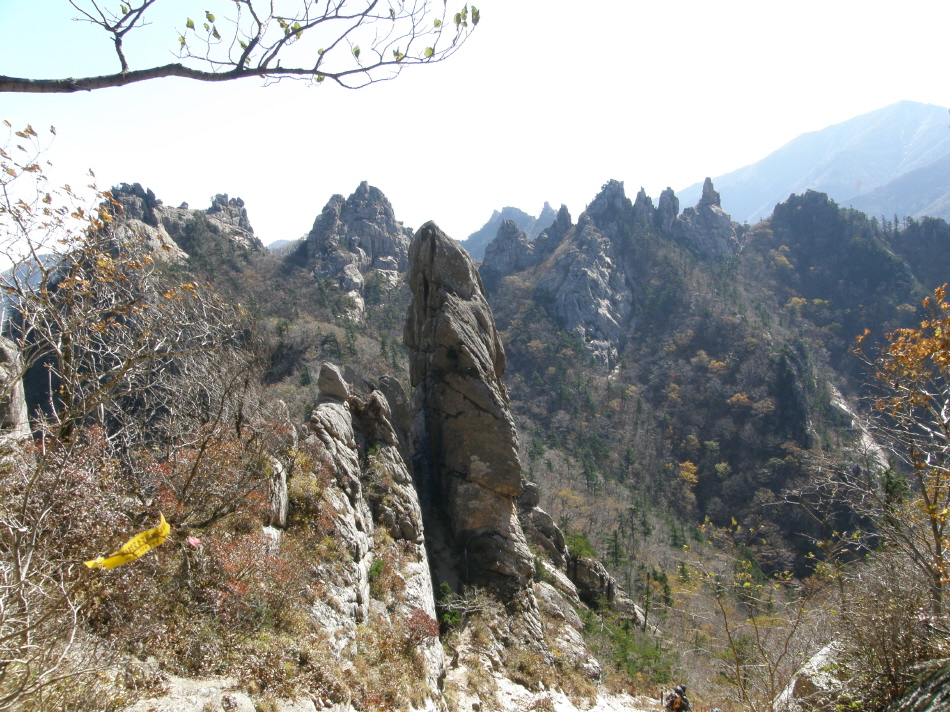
{"points": [[910, 500]]}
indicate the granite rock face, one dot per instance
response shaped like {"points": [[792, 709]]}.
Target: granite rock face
{"points": [[706, 229], [356, 239], [465, 443], [592, 274], [354, 438], [591, 291]]}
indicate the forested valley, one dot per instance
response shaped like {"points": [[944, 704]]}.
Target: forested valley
{"points": [[710, 452]]}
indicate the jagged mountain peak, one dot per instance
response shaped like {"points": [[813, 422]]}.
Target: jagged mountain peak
{"points": [[563, 216], [532, 226], [509, 230], [353, 237], [609, 201], [365, 209], [667, 210], [706, 229]]}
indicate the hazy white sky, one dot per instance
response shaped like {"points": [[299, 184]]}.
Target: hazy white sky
{"points": [[547, 101]]}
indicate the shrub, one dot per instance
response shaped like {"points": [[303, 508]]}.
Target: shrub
{"points": [[579, 544]]}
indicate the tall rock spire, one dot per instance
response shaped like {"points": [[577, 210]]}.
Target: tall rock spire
{"points": [[466, 445]]}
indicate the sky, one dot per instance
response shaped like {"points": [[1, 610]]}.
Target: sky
{"points": [[546, 101]]}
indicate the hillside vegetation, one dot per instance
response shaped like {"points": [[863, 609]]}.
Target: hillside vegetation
{"points": [[679, 479]]}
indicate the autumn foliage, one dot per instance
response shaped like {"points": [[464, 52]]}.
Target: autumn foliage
{"points": [[913, 416]]}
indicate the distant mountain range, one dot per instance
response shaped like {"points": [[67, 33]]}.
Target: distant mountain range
{"points": [[532, 226], [894, 160]]}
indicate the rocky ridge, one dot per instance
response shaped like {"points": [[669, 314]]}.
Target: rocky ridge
{"points": [[434, 488], [371, 490], [163, 229], [589, 272], [706, 229]]}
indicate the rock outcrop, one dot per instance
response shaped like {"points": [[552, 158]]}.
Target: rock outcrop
{"points": [[588, 283], [549, 238], [667, 211], [164, 229], [356, 239], [707, 230], [815, 686], [465, 443], [591, 273], [353, 437], [14, 420], [931, 694]]}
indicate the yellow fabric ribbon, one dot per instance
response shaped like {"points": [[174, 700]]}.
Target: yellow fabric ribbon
{"points": [[134, 547]]}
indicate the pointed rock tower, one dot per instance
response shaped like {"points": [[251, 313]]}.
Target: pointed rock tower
{"points": [[466, 446], [707, 230]]}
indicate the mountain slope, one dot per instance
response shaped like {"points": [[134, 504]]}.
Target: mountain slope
{"points": [[844, 160], [922, 191]]}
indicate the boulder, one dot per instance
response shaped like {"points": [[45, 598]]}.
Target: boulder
{"points": [[815, 685], [330, 383], [594, 583]]}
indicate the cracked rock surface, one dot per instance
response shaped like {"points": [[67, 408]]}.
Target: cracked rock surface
{"points": [[466, 446]]}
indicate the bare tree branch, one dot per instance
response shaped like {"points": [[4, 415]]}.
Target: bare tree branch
{"points": [[351, 42]]}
